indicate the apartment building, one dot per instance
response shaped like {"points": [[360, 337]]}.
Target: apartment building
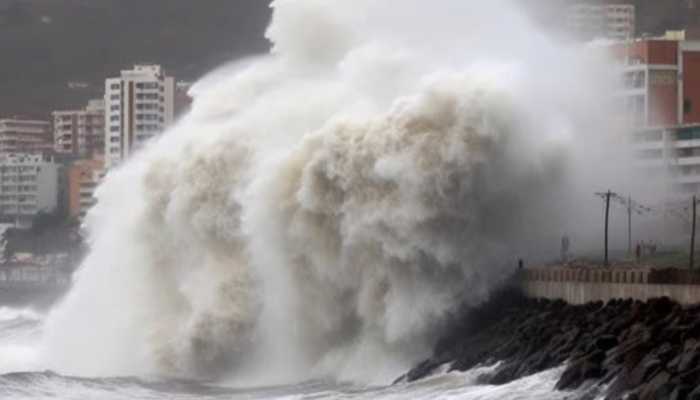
{"points": [[660, 102], [80, 133], [83, 178], [601, 21], [139, 104], [661, 79], [673, 151], [25, 136], [28, 186]]}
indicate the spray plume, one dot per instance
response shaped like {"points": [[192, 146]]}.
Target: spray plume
{"points": [[322, 208]]}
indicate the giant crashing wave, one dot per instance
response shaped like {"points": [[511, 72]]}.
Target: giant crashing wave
{"points": [[323, 208]]}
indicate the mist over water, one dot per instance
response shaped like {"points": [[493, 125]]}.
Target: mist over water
{"points": [[323, 208]]}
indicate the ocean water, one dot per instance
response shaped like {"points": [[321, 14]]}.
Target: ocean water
{"points": [[21, 377]]}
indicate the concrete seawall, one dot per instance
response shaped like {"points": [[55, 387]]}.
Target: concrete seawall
{"points": [[584, 292], [583, 285]]}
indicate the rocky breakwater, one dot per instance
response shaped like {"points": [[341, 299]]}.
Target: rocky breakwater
{"points": [[623, 349]]}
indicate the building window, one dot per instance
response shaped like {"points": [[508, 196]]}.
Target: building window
{"points": [[114, 118], [687, 106], [114, 107], [114, 129], [147, 85], [115, 86], [114, 97], [688, 134], [635, 80]]}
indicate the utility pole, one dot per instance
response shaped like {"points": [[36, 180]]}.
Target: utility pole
{"points": [[607, 219], [629, 225], [606, 197], [692, 234]]}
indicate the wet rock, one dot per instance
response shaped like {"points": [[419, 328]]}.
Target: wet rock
{"points": [[691, 377], [661, 306], [657, 388], [503, 374], [689, 357], [644, 370], [688, 361], [693, 331], [681, 392], [575, 375], [422, 370], [695, 394], [645, 350], [666, 352], [606, 342]]}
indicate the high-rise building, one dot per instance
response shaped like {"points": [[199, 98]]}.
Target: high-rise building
{"points": [[25, 136], [601, 21], [139, 104], [83, 178], [28, 186], [80, 133]]}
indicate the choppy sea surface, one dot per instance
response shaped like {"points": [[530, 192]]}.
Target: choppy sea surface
{"points": [[20, 330]]}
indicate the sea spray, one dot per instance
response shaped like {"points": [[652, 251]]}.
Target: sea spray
{"points": [[322, 208]]}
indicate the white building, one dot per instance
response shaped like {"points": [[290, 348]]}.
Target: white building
{"points": [[80, 133], [673, 152], [139, 104], [28, 186], [602, 21], [25, 136]]}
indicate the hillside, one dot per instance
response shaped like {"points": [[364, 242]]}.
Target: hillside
{"points": [[655, 17], [45, 44]]}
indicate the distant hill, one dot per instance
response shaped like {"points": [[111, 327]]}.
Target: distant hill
{"points": [[655, 17], [45, 44]]}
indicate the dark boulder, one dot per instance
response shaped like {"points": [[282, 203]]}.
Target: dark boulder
{"points": [[630, 349], [657, 388], [606, 342], [578, 373], [695, 394], [681, 392]]}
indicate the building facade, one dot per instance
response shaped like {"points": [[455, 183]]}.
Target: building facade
{"points": [[673, 151], [139, 104], [28, 186], [661, 79], [601, 21], [80, 133], [660, 101], [83, 178], [25, 136]]}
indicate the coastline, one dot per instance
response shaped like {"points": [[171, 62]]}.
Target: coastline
{"points": [[623, 348]]}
